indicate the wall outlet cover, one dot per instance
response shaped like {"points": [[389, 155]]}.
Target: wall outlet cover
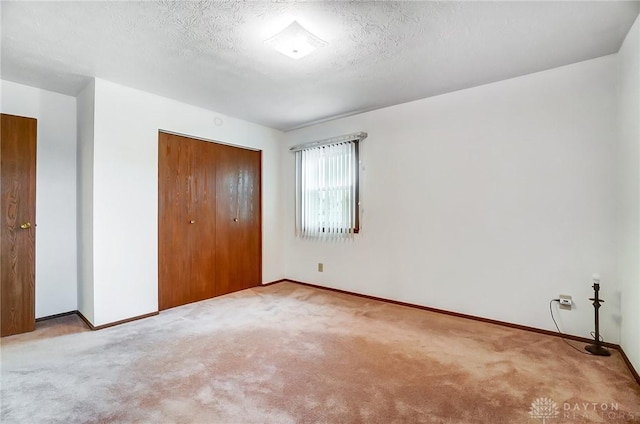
{"points": [[566, 302]]}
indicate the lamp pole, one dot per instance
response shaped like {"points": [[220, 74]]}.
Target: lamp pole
{"points": [[597, 348]]}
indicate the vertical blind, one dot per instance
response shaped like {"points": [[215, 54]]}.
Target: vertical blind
{"points": [[327, 191]]}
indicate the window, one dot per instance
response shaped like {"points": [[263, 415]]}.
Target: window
{"points": [[327, 192]]}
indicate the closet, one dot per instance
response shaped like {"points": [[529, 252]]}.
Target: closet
{"points": [[209, 219]]}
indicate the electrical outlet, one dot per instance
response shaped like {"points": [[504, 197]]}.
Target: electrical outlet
{"points": [[320, 267], [565, 302]]}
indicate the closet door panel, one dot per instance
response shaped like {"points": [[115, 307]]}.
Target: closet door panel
{"points": [[202, 221], [174, 232], [250, 220], [238, 235]]}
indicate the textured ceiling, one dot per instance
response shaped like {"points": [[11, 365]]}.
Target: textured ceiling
{"points": [[211, 53]]}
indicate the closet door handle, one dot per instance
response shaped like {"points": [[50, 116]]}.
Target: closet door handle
{"points": [[192, 222]]}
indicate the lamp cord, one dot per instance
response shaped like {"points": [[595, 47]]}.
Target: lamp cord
{"points": [[560, 332]]}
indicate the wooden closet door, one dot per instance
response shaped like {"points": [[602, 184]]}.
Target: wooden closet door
{"points": [[174, 262], [238, 235], [202, 218], [17, 244], [186, 220], [209, 220]]}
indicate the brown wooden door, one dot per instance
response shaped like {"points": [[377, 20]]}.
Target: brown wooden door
{"points": [[186, 220], [202, 206], [17, 254], [209, 235], [238, 237], [174, 168]]}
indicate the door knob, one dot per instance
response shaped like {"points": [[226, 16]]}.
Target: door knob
{"points": [[25, 226], [192, 222]]}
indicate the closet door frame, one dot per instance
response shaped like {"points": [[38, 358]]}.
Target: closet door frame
{"points": [[260, 208]]}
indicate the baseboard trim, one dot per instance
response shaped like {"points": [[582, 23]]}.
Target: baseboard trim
{"points": [[86, 321], [113, 324], [273, 282], [626, 360], [63, 314]]}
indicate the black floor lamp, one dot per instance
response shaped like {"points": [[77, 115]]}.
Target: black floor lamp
{"points": [[597, 348]]}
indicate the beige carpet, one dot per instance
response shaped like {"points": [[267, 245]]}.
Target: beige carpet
{"points": [[287, 353]]}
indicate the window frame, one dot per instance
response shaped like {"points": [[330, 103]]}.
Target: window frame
{"points": [[349, 227]]}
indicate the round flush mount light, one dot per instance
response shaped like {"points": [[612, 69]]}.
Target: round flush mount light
{"points": [[295, 41]]}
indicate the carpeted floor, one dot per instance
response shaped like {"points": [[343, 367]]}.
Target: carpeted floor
{"points": [[288, 353]]}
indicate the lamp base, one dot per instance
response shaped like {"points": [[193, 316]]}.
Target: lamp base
{"points": [[595, 349]]}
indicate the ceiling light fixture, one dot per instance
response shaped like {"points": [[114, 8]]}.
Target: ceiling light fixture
{"points": [[295, 41]]}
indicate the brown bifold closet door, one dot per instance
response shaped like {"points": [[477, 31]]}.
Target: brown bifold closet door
{"points": [[18, 238], [192, 254], [238, 237], [186, 220]]}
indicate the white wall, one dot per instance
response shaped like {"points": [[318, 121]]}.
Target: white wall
{"points": [[488, 201], [125, 192], [85, 131], [629, 191], [55, 192]]}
